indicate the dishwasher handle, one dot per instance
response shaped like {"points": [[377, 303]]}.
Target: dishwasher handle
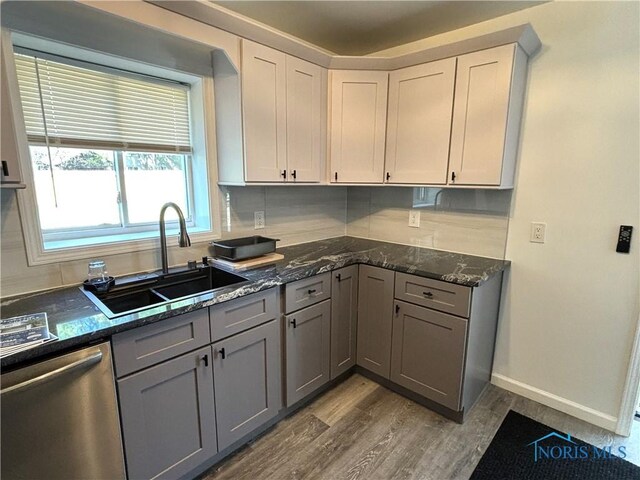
{"points": [[85, 362]]}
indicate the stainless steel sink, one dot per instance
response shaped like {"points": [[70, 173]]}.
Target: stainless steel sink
{"points": [[133, 294]]}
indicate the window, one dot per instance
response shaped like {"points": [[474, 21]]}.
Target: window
{"points": [[107, 148]]}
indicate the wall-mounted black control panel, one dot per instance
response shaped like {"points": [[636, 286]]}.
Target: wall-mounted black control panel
{"points": [[624, 239]]}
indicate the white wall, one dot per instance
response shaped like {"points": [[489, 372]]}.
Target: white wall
{"points": [[570, 306]]}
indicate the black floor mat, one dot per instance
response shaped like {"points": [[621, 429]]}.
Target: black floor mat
{"points": [[512, 455]]}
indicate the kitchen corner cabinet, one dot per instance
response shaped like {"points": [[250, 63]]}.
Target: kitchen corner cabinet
{"points": [[282, 102], [489, 93], [168, 416], [357, 126], [375, 310], [344, 319], [246, 373], [419, 123]]}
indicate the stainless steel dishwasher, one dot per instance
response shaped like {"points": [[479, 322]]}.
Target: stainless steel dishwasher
{"points": [[60, 419]]}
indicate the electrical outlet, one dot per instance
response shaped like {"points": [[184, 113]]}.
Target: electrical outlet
{"points": [[414, 218], [258, 220], [538, 232]]}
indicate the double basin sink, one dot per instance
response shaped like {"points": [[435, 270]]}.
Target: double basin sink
{"points": [[135, 293]]}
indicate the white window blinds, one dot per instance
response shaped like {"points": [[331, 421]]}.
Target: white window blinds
{"points": [[72, 106]]}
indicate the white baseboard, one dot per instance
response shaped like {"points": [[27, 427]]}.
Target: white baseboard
{"points": [[574, 409]]}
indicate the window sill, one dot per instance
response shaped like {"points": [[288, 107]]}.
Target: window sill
{"points": [[68, 250]]}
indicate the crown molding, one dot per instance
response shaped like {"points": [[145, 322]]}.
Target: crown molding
{"points": [[214, 15]]}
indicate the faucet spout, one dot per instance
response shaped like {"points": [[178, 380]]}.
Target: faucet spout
{"points": [[183, 239]]}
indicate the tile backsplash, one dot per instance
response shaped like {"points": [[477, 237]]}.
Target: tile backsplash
{"points": [[293, 214], [469, 221]]}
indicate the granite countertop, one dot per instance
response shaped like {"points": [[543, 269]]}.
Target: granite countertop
{"points": [[76, 321]]}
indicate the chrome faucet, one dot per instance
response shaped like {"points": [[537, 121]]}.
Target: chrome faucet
{"points": [[183, 240]]}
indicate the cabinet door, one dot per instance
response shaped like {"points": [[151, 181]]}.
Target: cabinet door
{"points": [[168, 416], [357, 128], [265, 110], [419, 123], [428, 353], [247, 381], [308, 350], [375, 309], [480, 112], [344, 319], [304, 120], [10, 171]]}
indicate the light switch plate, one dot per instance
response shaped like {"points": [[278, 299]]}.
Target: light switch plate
{"points": [[258, 220], [414, 218], [538, 232]]}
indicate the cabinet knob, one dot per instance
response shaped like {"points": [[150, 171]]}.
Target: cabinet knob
{"points": [[222, 353], [205, 359], [388, 176], [427, 294], [5, 168], [293, 322], [283, 174], [339, 277], [293, 174], [397, 309], [311, 291], [336, 176], [453, 176]]}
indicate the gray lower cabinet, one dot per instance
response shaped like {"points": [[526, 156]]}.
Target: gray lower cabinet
{"points": [[308, 350], [247, 381], [375, 309], [344, 319], [168, 417], [428, 353]]}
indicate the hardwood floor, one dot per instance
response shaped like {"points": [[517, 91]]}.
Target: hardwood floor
{"points": [[360, 430]]}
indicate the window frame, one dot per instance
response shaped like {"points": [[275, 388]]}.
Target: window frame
{"points": [[203, 158]]}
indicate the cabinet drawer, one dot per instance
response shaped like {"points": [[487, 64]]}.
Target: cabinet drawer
{"points": [[306, 292], [233, 317], [443, 296], [145, 346]]}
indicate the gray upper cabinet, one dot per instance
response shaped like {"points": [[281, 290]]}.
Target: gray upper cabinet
{"points": [[428, 353], [344, 319], [247, 381], [168, 417], [142, 347], [375, 307], [308, 350]]}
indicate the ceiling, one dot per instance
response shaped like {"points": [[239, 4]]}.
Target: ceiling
{"points": [[363, 27]]}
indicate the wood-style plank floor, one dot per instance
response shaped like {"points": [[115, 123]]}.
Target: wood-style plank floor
{"points": [[361, 430]]}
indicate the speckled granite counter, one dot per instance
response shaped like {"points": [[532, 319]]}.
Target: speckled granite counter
{"points": [[77, 322]]}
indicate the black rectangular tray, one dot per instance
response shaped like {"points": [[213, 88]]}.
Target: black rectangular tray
{"points": [[242, 248]]}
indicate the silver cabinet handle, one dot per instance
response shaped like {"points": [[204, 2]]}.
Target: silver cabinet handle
{"points": [[92, 359]]}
